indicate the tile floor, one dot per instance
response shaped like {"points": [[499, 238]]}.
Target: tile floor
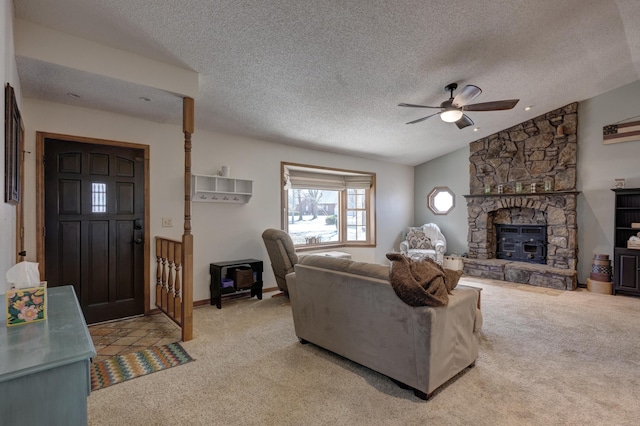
{"points": [[132, 335]]}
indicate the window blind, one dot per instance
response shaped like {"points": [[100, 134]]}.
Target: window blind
{"points": [[298, 179]]}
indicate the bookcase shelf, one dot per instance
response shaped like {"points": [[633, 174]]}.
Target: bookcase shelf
{"points": [[220, 189], [626, 277]]}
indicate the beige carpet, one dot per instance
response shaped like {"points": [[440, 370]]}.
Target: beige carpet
{"points": [[546, 358]]}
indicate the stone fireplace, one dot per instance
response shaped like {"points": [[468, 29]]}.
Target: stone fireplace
{"points": [[538, 156]]}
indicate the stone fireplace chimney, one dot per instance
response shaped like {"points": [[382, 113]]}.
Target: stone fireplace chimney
{"points": [[526, 175]]}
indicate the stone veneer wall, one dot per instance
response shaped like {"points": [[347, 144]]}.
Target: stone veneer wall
{"points": [[540, 150]]}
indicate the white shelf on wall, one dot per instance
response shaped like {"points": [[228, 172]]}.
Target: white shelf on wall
{"points": [[219, 189]]}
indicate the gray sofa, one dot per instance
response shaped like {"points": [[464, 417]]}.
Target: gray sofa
{"points": [[351, 309]]}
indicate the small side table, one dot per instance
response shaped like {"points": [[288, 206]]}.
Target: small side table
{"points": [[217, 269]]}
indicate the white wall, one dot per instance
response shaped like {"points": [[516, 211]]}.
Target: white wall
{"points": [[221, 231], [8, 74], [451, 170], [598, 166]]}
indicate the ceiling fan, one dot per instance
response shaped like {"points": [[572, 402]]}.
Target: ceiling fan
{"points": [[452, 110]]}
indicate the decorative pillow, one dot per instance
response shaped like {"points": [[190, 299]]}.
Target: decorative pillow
{"points": [[418, 240], [451, 278], [420, 283]]}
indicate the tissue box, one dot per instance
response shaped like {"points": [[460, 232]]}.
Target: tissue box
{"points": [[26, 305]]}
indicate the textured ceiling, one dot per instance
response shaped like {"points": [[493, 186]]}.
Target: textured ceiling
{"points": [[328, 74]]}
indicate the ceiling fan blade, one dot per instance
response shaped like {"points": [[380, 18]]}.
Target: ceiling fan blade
{"points": [[418, 106], [466, 95], [464, 122], [491, 106], [422, 119]]}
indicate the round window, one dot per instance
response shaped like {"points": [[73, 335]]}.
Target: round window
{"points": [[441, 200]]}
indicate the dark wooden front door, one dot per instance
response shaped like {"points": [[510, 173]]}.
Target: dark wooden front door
{"points": [[94, 231]]}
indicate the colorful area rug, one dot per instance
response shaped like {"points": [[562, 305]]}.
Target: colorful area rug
{"points": [[120, 368]]}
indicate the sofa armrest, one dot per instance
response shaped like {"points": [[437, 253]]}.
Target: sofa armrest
{"points": [[453, 345], [477, 325]]}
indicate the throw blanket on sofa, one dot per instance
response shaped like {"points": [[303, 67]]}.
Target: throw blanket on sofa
{"points": [[421, 282]]}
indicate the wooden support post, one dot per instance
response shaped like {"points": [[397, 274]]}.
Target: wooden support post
{"points": [[187, 237]]}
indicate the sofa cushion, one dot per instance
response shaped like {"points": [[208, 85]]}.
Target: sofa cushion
{"points": [[372, 270]]}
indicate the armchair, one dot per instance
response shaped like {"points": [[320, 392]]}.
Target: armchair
{"points": [[281, 253], [424, 241]]}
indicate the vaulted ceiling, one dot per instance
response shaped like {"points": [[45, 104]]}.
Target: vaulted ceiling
{"points": [[328, 74]]}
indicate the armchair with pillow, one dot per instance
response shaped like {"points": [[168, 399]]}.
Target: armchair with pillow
{"points": [[424, 241]]}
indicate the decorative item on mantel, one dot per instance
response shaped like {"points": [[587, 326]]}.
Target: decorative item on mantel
{"points": [[487, 188], [533, 188], [518, 187], [500, 189], [619, 183], [547, 185], [26, 300]]}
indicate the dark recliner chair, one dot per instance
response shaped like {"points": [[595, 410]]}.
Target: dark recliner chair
{"points": [[282, 254]]}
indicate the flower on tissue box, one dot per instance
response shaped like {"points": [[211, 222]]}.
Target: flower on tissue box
{"points": [[26, 305]]}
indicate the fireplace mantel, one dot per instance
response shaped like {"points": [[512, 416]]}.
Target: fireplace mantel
{"points": [[522, 194]]}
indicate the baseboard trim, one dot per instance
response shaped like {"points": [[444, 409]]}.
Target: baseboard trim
{"points": [[204, 302]]}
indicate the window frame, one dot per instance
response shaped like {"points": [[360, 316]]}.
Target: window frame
{"points": [[432, 196], [342, 209]]}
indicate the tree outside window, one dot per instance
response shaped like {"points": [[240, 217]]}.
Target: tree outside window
{"points": [[327, 207]]}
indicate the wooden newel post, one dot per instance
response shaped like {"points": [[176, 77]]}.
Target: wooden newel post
{"points": [[187, 237]]}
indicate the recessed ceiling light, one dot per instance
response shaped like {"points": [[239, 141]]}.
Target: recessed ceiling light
{"points": [[73, 95], [527, 108], [144, 98], [475, 129]]}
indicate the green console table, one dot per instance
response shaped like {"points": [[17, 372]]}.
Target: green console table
{"points": [[44, 366]]}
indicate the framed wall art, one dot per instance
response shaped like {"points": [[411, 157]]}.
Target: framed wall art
{"points": [[13, 134]]}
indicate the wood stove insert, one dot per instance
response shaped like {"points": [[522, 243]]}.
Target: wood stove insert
{"points": [[525, 243]]}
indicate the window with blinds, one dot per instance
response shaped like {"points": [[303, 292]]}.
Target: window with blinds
{"points": [[326, 206]]}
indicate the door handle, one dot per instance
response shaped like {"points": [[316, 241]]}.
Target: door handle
{"points": [[137, 241]]}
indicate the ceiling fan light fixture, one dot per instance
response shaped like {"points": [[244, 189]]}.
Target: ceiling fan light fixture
{"points": [[451, 115]]}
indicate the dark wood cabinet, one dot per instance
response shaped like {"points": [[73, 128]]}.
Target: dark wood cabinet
{"points": [[221, 271], [626, 264]]}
